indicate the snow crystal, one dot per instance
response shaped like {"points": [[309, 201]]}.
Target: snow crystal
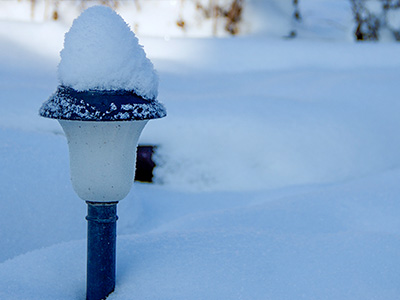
{"points": [[68, 104], [102, 53]]}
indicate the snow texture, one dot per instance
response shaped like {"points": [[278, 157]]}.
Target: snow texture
{"points": [[102, 53], [68, 104]]}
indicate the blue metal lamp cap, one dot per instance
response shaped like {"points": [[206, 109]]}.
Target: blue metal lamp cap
{"points": [[100, 105]]}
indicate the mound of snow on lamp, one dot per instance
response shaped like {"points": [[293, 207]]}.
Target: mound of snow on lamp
{"points": [[107, 93]]}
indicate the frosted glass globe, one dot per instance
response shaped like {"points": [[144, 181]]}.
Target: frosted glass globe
{"points": [[102, 157]]}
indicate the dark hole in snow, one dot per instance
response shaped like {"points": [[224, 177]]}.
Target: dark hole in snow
{"points": [[144, 163]]}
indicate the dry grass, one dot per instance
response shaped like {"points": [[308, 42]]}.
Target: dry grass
{"points": [[229, 12], [369, 24]]}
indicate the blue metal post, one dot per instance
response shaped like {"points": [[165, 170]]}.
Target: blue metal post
{"points": [[101, 249]]}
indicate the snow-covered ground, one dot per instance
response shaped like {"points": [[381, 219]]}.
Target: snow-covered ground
{"points": [[278, 172]]}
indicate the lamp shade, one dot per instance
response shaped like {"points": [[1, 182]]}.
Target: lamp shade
{"points": [[103, 129], [102, 157]]}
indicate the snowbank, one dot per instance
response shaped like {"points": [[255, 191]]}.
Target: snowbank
{"points": [[327, 242]]}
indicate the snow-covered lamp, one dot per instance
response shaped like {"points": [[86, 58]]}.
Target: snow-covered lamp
{"points": [[107, 94]]}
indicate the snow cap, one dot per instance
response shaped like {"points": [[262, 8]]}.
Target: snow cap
{"points": [[104, 73], [102, 53]]}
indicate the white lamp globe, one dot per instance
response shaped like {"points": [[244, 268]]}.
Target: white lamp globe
{"points": [[102, 157]]}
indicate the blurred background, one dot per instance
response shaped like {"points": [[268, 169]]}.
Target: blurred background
{"points": [[361, 19]]}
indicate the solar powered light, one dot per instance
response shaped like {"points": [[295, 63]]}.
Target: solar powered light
{"points": [[107, 94]]}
